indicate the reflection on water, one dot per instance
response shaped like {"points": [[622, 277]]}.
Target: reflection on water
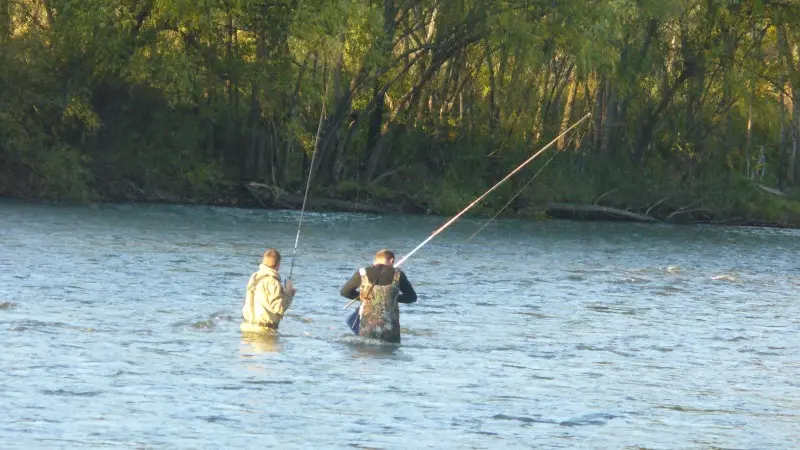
{"points": [[262, 342], [125, 332], [369, 348]]}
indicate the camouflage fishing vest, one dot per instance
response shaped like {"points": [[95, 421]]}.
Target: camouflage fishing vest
{"points": [[380, 313]]}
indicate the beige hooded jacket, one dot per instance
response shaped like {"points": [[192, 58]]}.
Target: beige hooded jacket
{"points": [[266, 300]]}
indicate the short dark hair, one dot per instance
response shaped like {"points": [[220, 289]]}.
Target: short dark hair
{"points": [[384, 254], [271, 258]]}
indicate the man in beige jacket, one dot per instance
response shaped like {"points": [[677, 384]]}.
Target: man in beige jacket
{"points": [[266, 299]]}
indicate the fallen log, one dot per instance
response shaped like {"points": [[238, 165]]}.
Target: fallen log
{"points": [[561, 209], [275, 197]]}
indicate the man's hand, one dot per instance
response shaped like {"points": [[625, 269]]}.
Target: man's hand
{"points": [[290, 287]]}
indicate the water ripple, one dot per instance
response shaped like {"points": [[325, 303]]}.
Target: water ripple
{"points": [[546, 334]]}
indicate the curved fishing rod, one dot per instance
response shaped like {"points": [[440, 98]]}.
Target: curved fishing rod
{"points": [[477, 200], [308, 182], [517, 194]]}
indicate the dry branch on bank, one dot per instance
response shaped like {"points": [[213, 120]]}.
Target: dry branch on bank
{"points": [[772, 191], [606, 212]]}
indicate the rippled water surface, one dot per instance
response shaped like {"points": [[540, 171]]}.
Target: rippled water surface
{"points": [[120, 327]]}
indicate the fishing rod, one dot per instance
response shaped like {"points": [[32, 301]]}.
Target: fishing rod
{"points": [[310, 173], [477, 200], [516, 195]]}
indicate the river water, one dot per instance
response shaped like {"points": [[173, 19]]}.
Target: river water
{"points": [[120, 327]]}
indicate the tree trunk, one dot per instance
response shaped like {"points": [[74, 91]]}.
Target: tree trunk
{"points": [[274, 154], [782, 143], [375, 123], [567, 116], [230, 88], [492, 91], [250, 150], [793, 72], [791, 150], [437, 60], [782, 158], [757, 38], [255, 157], [283, 174], [329, 145], [748, 141], [561, 79], [794, 166], [598, 113], [539, 119], [376, 128], [608, 146], [260, 152], [339, 160], [647, 128], [375, 156], [729, 97]]}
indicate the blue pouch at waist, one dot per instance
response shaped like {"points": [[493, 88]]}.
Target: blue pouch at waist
{"points": [[354, 321]]}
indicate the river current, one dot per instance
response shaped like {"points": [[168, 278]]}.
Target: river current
{"points": [[120, 328]]}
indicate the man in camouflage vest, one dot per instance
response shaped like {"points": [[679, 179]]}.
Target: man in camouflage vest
{"points": [[380, 288]]}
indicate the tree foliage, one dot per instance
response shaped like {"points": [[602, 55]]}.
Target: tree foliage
{"points": [[427, 99]]}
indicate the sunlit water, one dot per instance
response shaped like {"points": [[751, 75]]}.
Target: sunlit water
{"points": [[120, 327]]}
